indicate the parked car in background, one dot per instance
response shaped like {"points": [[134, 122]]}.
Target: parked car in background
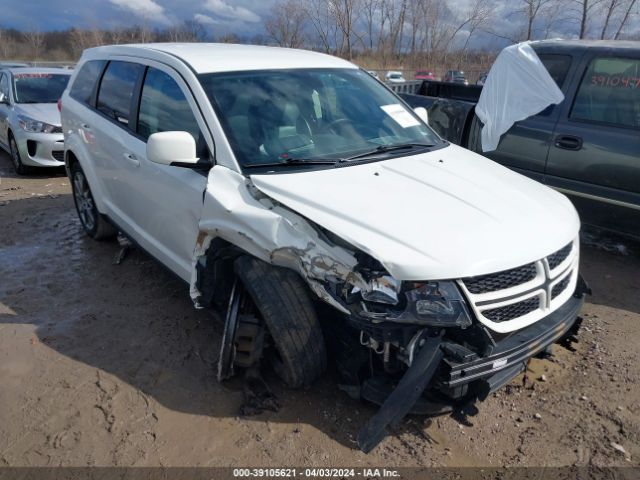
{"points": [[275, 218], [29, 118], [424, 75], [394, 77], [455, 76], [482, 78], [587, 147]]}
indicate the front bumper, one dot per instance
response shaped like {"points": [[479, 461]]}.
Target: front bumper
{"points": [[40, 149], [509, 356]]}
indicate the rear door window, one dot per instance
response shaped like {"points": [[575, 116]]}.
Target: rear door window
{"points": [[609, 92], [116, 90], [85, 81]]}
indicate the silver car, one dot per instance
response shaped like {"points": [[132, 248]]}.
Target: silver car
{"points": [[29, 118]]}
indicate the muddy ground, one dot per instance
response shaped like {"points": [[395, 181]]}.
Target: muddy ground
{"points": [[104, 364]]}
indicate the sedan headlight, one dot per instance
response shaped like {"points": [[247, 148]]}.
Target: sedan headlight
{"points": [[35, 126]]}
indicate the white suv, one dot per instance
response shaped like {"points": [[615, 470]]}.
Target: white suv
{"points": [[276, 181]]}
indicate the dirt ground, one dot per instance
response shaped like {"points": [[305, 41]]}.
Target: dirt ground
{"points": [[110, 365]]}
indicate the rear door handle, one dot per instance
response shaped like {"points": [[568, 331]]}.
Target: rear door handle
{"points": [[568, 142], [132, 159]]}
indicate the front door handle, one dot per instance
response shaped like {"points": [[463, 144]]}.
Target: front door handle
{"points": [[132, 159], [568, 142]]}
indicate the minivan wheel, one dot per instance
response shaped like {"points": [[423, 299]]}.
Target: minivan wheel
{"points": [[283, 302], [18, 166], [93, 222]]}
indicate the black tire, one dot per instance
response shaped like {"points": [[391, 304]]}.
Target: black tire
{"points": [[93, 222], [283, 301], [18, 166]]}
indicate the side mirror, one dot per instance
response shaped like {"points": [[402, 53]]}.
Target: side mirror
{"points": [[172, 148], [422, 113], [4, 99]]}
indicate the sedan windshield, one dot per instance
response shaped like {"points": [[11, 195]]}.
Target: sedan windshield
{"points": [[317, 116], [39, 87]]}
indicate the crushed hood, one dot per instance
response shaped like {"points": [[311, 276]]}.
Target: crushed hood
{"points": [[445, 214], [43, 112]]}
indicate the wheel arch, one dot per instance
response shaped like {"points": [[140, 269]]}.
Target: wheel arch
{"points": [[77, 153]]}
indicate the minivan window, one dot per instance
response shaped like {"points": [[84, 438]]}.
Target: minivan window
{"points": [[163, 107], [116, 90], [85, 81], [302, 115], [39, 87], [610, 92]]}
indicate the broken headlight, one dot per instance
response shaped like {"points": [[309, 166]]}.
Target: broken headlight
{"points": [[436, 304]]}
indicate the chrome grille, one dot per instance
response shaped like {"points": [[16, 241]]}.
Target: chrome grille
{"points": [[515, 310], [501, 280]]}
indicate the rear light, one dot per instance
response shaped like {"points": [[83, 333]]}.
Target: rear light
{"points": [[60, 104]]}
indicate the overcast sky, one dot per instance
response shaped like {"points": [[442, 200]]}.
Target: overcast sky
{"points": [[241, 16]]}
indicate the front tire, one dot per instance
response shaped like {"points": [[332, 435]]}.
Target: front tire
{"points": [[18, 166], [283, 301], [93, 222]]}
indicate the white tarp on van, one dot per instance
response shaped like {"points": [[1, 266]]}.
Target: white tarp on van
{"points": [[517, 87]]}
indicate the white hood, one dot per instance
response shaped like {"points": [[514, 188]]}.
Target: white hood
{"points": [[446, 214]]}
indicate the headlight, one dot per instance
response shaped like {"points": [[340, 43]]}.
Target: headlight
{"points": [[34, 126], [436, 304]]}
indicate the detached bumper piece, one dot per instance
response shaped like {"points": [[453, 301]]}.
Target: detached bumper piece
{"points": [[406, 394]]}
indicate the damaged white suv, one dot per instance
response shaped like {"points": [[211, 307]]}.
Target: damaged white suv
{"points": [[277, 182]]}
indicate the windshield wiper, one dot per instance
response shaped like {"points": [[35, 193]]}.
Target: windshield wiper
{"points": [[295, 161], [387, 148]]}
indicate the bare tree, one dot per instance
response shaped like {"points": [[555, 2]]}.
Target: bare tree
{"points": [[625, 19], [585, 9], [287, 23], [550, 16], [531, 10], [345, 14], [319, 13], [35, 40], [610, 7]]}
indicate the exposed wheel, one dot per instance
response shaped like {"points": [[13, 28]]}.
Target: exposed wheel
{"points": [[93, 222], [18, 166], [283, 302]]}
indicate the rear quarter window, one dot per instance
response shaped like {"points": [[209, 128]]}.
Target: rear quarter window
{"points": [[85, 81]]}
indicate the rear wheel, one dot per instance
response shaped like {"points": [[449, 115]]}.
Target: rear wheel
{"points": [[93, 222], [18, 166], [283, 302]]}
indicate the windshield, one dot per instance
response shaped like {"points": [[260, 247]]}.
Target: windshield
{"points": [[278, 116], [39, 87]]}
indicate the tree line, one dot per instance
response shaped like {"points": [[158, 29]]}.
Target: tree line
{"points": [[378, 34]]}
